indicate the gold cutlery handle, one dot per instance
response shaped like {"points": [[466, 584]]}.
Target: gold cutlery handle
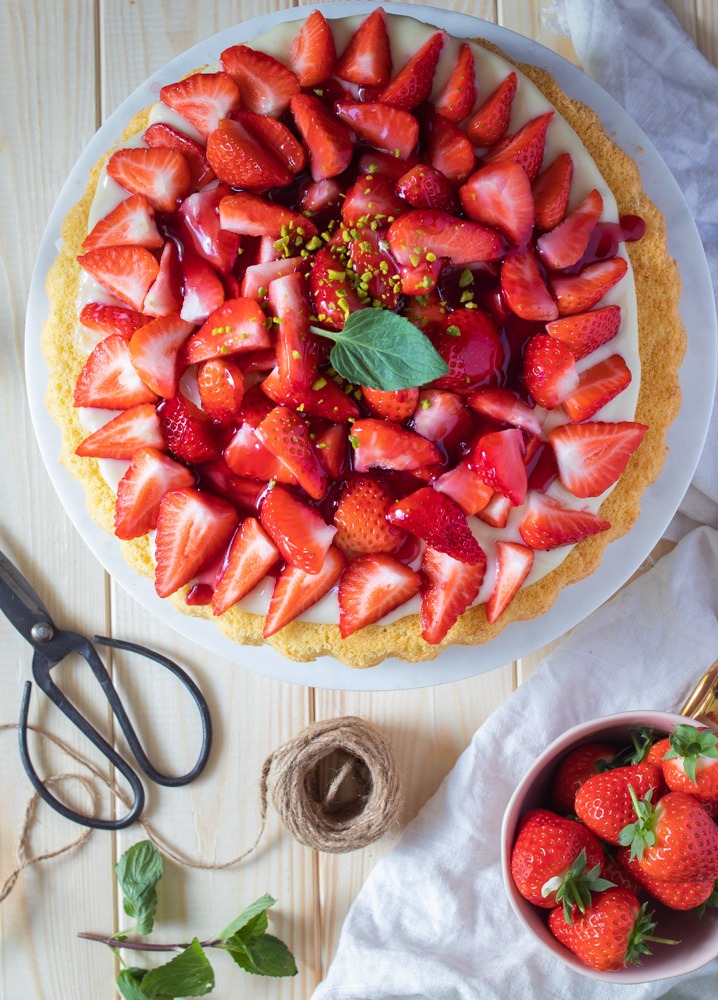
{"points": [[702, 702]]}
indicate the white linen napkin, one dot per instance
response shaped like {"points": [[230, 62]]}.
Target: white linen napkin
{"points": [[432, 922]]}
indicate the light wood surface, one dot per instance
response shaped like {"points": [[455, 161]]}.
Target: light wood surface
{"points": [[64, 67]]}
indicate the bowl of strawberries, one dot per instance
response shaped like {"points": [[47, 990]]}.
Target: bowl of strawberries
{"points": [[610, 847]]}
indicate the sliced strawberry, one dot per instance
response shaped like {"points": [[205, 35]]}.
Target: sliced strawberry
{"points": [[204, 99], [109, 380], [513, 565], [221, 389], [331, 443], [318, 196], [332, 290], [296, 590], [425, 187], [244, 494], [161, 174], [323, 398], [524, 290], [448, 149], [126, 272], [191, 528], [497, 510], [107, 320], [451, 587], [549, 370], [597, 386], [465, 486], [259, 277], [251, 555], [426, 311], [490, 122], [423, 240], [274, 136], [525, 147], [255, 406], [203, 292], [412, 84], [551, 190], [385, 445], [165, 294], [442, 417], [577, 293], [366, 60], [566, 244], [241, 160], [286, 435], [154, 350], [150, 475], [251, 215], [371, 197], [499, 195], [327, 138], [137, 427], [375, 267], [375, 162], [131, 223], [238, 325], [312, 54], [372, 586], [397, 405], [458, 95], [298, 530], [498, 458], [592, 456], [360, 518], [386, 128], [297, 349], [161, 135], [265, 84], [469, 343], [188, 431], [584, 332], [547, 524], [439, 521], [207, 237], [505, 407], [247, 457]]}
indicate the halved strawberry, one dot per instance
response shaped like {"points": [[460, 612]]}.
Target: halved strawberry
{"points": [[439, 521], [164, 295], [332, 289], [551, 190], [259, 277], [469, 343], [107, 320], [372, 586], [385, 445], [426, 187], [397, 405], [131, 223], [265, 84], [426, 311], [584, 332], [327, 138], [499, 195], [238, 325], [191, 528], [161, 135], [323, 398], [525, 147], [204, 99], [251, 555], [296, 590], [285, 434], [203, 291], [597, 386], [412, 84], [275, 137], [549, 370], [316, 196], [244, 494], [498, 458], [451, 587], [447, 147], [297, 349], [188, 431], [360, 518], [497, 510], [490, 122], [312, 54], [577, 293], [392, 130], [161, 174], [458, 95], [298, 530], [547, 524], [366, 60], [207, 237], [463, 484], [523, 289], [505, 407], [137, 427], [139, 493], [371, 197], [241, 160], [592, 456], [247, 457], [251, 215], [126, 272], [513, 565], [109, 380], [443, 417], [154, 350], [375, 267], [221, 388], [566, 244], [331, 442]]}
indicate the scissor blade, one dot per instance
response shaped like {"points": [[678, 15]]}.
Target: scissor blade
{"points": [[18, 600]]}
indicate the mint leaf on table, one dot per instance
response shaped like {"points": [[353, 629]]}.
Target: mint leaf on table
{"points": [[251, 922], [128, 983], [262, 956], [138, 872], [381, 350], [188, 974]]}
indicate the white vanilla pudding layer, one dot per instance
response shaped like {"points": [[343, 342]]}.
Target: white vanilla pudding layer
{"points": [[407, 35]]}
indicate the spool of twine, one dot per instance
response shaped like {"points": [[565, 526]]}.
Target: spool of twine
{"points": [[335, 787]]}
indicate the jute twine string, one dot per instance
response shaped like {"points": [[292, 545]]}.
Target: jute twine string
{"points": [[310, 808]]}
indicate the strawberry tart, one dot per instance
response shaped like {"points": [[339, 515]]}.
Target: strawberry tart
{"points": [[365, 340]]}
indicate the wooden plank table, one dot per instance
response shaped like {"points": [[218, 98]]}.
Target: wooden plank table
{"points": [[65, 66]]}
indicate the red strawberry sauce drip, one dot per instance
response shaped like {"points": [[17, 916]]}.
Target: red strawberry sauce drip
{"points": [[605, 239]]}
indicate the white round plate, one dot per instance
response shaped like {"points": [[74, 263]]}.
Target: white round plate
{"points": [[622, 558]]}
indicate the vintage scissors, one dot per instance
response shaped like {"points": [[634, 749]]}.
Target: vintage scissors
{"points": [[28, 614]]}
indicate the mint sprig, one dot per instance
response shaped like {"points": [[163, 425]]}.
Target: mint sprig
{"points": [[138, 872], [381, 350]]}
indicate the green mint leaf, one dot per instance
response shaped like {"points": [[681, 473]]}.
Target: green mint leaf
{"points": [[381, 350], [251, 922], [129, 983], [138, 872], [264, 956], [188, 974]]}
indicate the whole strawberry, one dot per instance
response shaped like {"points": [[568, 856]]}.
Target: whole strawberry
{"points": [[577, 767], [676, 841], [675, 895], [690, 763], [556, 860], [604, 802]]}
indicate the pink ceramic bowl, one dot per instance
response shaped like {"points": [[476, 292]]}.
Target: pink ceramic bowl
{"points": [[698, 936]]}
